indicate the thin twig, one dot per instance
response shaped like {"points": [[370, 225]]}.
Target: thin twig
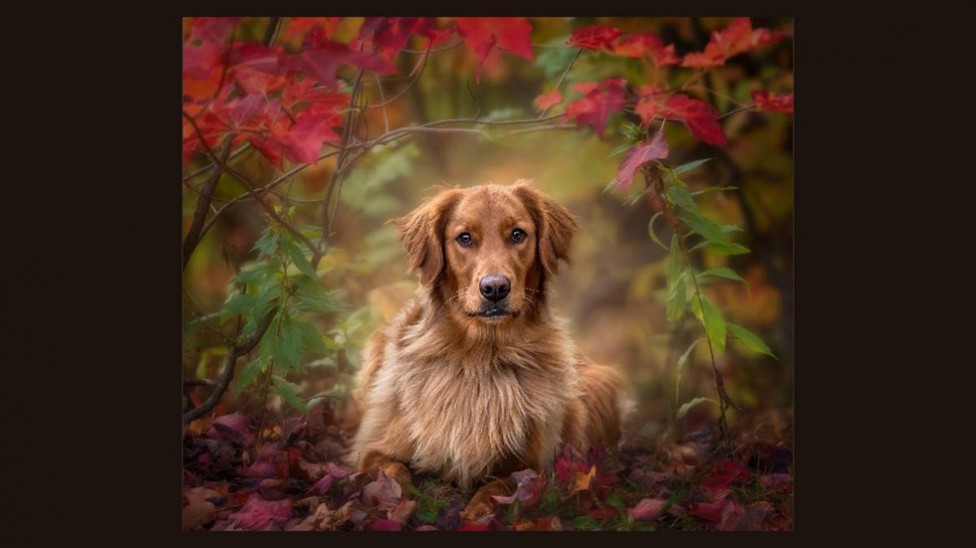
{"points": [[563, 77], [438, 50], [740, 109], [233, 155], [348, 133], [386, 115], [415, 74]]}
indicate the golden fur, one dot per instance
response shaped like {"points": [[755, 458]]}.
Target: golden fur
{"points": [[449, 389]]}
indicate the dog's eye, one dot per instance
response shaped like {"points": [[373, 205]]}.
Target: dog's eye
{"points": [[518, 235], [464, 239]]}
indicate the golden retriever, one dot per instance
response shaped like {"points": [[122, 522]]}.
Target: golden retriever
{"points": [[476, 378]]}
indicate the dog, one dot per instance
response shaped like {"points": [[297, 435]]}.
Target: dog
{"points": [[476, 378]]}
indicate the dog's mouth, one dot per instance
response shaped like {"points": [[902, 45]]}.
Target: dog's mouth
{"points": [[492, 312]]}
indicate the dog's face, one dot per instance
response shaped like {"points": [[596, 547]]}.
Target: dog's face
{"points": [[487, 251]]}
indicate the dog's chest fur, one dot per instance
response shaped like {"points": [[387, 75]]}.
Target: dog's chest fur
{"points": [[497, 403]]}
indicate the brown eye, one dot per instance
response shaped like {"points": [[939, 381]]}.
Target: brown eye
{"points": [[465, 240], [518, 235]]}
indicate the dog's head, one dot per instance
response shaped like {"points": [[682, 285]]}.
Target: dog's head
{"points": [[487, 251]]}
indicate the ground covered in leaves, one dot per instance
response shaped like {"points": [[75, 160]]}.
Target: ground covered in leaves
{"points": [[292, 477]]}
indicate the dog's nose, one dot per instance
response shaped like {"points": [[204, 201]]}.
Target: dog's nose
{"points": [[495, 287]]}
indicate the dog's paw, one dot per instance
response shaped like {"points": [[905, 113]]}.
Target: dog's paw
{"points": [[398, 473], [475, 510], [480, 504]]}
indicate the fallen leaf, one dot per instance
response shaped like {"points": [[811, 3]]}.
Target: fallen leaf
{"points": [[261, 515], [402, 511], [776, 483], [383, 524], [528, 490], [232, 427], [197, 511], [384, 493], [647, 509], [582, 482]]}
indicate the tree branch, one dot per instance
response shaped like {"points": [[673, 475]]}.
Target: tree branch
{"points": [[252, 189], [227, 374], [195, 233]]}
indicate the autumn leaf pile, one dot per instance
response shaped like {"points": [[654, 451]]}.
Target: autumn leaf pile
{"points": [[292, 477]]}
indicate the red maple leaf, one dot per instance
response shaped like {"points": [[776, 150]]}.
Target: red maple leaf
{"points": [[700, 117], [211, 29], [647, 45], [202, 69], [482, 34], [387, 35], [650, 103], [257, 68], [301, 27], [640, 155], [322, 61], [262, 515], [738, 37], [597, 103], [778, 103], [594, 37], [550, 99]]}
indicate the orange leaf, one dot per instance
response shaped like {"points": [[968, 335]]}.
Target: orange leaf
{"points": [[583, 480], [547, 100], [738, 37]]}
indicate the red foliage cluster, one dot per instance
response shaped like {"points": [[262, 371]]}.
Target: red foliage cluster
{"points": [[287, 103], [738, 37]]}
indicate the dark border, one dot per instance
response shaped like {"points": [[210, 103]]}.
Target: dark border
{"points": [[94, 381]]}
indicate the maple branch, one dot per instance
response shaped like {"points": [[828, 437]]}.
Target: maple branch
{"points": [[250, 186], [194, 234], [227, 374]]}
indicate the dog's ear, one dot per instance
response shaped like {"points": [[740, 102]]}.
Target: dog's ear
{"points": [[422, 234], [555, 225]]}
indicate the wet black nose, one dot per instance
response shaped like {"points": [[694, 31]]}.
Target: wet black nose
{"points": [[495, 287]]}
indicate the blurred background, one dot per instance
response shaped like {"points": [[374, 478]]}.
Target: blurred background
{"points": [[612, 291]]}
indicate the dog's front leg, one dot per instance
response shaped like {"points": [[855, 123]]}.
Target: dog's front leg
{"points": [[480, 504]]}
